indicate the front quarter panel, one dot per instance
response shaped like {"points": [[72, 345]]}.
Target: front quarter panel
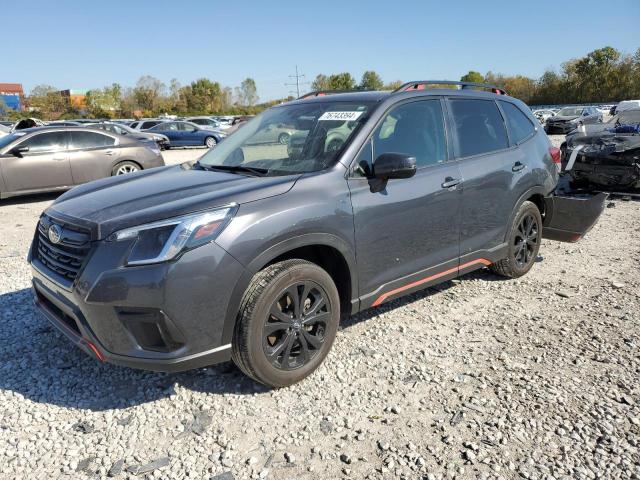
{"points": [[316, 211]]}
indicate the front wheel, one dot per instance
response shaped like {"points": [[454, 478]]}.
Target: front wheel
{"points": [[210, 142], [123, 168], [287, 323], [524, 242], [283, 138]]}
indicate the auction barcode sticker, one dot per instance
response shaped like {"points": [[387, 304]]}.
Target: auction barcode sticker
{"points": [[348, 116]]}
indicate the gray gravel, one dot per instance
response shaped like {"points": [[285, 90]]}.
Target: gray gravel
{"points": [[476, 378]]}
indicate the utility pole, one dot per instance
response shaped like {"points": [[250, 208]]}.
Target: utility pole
{"points": [[297, 76]]}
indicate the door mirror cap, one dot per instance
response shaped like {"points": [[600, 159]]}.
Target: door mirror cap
{"points": [[394, 165], [18, 151]]}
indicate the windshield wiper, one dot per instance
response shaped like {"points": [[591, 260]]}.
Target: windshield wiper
{"points": [[260, 172]]}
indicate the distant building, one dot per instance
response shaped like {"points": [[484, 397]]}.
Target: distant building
{"points": [[76, 98], [12, 95]]}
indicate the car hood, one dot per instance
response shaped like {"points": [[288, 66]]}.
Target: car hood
{"points": [[562, 118], [114, 203]]}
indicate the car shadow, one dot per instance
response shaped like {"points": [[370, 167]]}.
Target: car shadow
{"points": [[483, 274], [40, 364], [33, 198]]}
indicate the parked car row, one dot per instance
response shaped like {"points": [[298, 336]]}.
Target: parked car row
{"points": [[51, 158]]}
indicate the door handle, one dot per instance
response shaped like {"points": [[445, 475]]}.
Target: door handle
{"points": [[451, 182], [518, 166], [109, 152]]}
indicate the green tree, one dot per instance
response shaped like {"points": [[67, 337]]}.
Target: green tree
{"points": [[342, 81], [202, 97], [321, 82], [247, 93], [148, 93], [371, 81], [47, 101], [472, 76], [394, 85]]}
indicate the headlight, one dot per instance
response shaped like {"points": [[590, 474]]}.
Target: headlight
{"points": [[161, 241]]}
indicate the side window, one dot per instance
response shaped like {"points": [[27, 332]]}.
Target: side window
{"points": [[134, 125], [46, 142], [185, 127], [364, 162], [479, 126], [84, 140], [415, 129], [519, 125]]}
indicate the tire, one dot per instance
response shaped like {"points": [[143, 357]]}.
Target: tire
{"points": [[283, 138], [125, 167], [210, 142], [297, 343], [523, 248]]}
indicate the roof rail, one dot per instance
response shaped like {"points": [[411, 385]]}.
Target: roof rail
{"points": [[322, 93], [422, 84]]}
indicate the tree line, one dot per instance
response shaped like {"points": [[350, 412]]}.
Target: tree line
{"points": [[602, 76]]}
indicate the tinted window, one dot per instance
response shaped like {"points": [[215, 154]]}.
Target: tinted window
{"points": [[479, 126], [199, 121], [82, 140], [134, 124], [415, 129], [166, 126], [46, 142], [520, 127], [186, 127], [148, 124]]}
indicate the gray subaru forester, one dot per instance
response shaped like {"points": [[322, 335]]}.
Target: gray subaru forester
{"points": [[256, 251]]}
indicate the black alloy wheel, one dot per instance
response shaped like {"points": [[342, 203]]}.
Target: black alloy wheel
{"points": [[294, 330], [526, 240]]}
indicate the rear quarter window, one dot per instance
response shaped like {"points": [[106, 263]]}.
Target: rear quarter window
{"points": [[520, 127], [83, 140], [479, 126]]}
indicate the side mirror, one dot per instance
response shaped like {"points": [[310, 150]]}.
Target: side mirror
{"points": [[18, 151], [394, 165]]}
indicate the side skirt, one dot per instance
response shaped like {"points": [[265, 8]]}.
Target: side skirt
{"points": [[432, 276]]}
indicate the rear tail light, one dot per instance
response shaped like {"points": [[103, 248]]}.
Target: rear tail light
{"points": [[555, 155]]}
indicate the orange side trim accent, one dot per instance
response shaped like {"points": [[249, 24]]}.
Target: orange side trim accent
{"points": [[95, 350], [384, 296]]}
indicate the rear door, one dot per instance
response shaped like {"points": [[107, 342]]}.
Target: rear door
{"points": [[92, 155], [188, 135], [492, 175], [407, 234], [45, 165]]}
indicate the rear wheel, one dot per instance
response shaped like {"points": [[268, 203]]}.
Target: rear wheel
{"points": [[210, 142], [123, 168], [524, 242], [287, 323]]}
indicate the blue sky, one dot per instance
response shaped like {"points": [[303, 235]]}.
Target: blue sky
{"points": [[88, 44]]}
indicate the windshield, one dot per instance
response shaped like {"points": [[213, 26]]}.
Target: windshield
{"points": [[298, 138], [570, 112]]}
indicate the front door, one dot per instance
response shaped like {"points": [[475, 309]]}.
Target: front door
{"points": [[44, 164], [407, 235]]}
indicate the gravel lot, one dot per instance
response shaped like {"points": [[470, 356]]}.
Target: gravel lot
{"points": [[476, 378]]}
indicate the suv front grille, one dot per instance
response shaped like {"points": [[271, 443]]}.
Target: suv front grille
{"points": [[66, 256]]}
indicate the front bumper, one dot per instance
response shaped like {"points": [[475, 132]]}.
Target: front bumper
{"points": [[559, 128], [166, 317]]}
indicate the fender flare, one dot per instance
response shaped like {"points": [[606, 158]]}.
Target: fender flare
{"points": [[268, 255], [537, 190]]}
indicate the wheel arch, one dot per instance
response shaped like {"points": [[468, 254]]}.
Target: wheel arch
{"points": [[327, 251], [536, 196], [123, 160]]}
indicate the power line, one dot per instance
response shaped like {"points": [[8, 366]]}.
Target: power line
{"points": [[297, 76]]}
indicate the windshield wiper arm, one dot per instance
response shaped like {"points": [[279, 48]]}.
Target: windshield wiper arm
{"points": [[261, 172]]}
